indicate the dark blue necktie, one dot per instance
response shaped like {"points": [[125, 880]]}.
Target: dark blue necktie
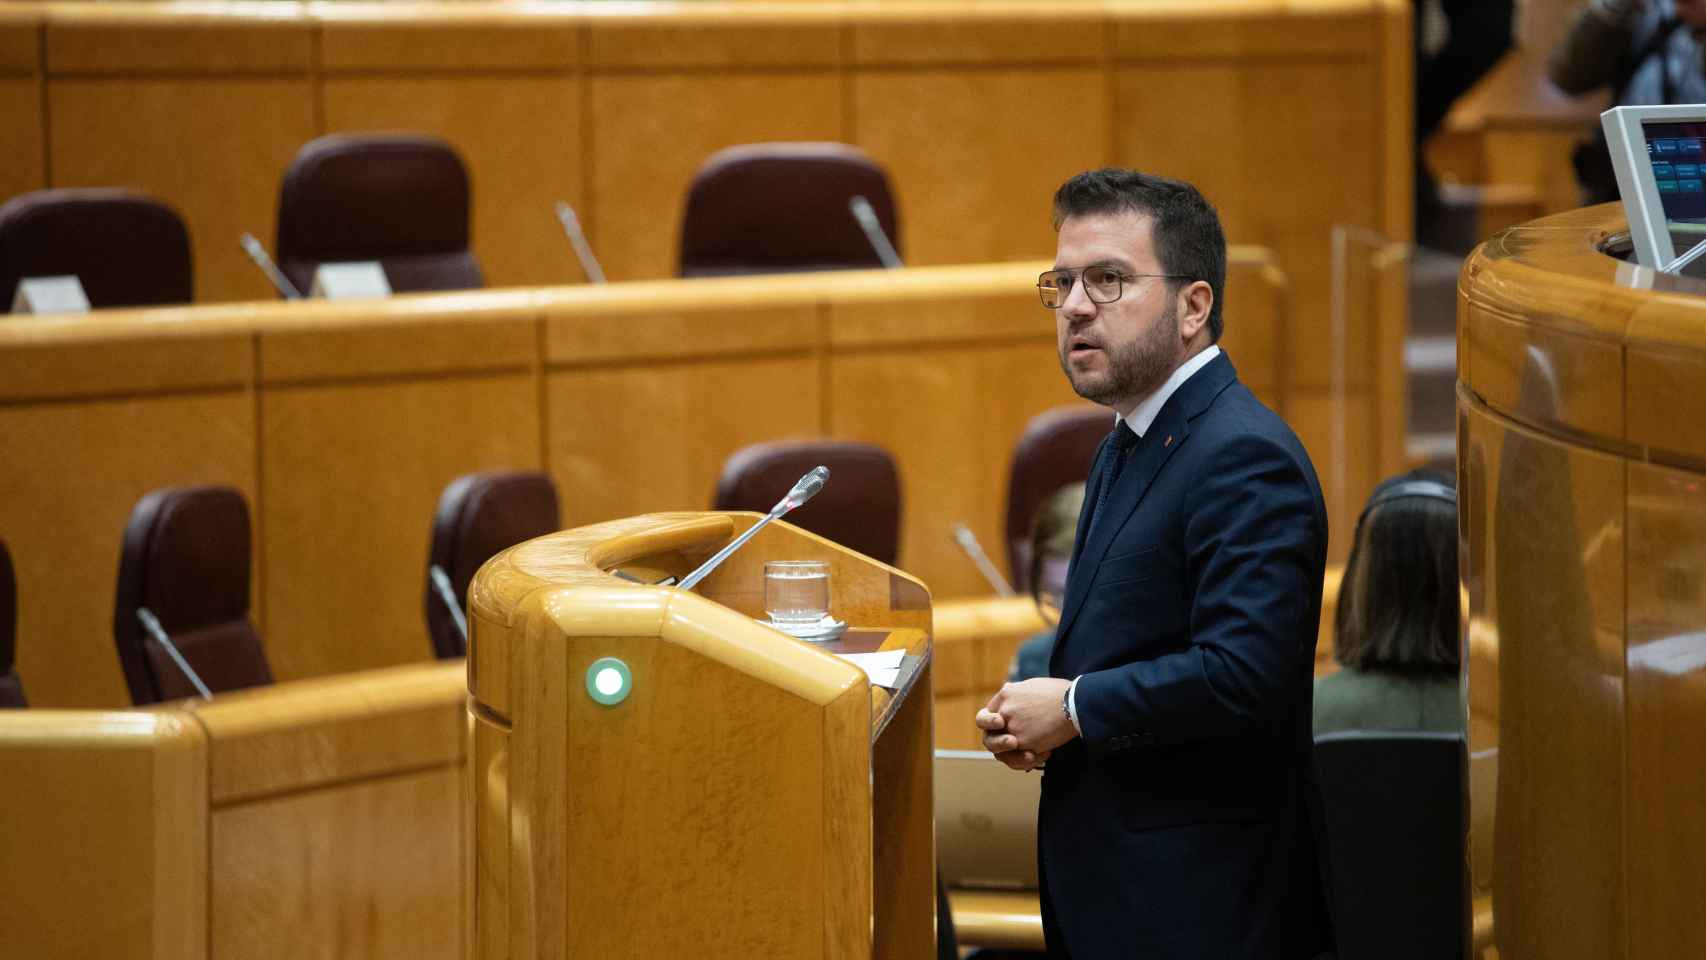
{"points": [[1119, 451]]}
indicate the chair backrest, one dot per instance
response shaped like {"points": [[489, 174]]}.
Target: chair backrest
{"points": [[127, 250], [11, 688], [859, 508], [1055, 450], [399, 199], [782, 208], [1395, 814], [478, 516], [186, 558]]}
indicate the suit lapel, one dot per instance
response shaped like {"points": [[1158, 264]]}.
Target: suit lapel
{"points": [[1165, 436]]}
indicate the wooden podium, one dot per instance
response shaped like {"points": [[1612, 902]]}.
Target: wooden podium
{"points": [[750, 795]]}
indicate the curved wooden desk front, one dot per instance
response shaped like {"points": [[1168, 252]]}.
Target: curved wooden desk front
{"points": [[752, 795], [312, 819], [1582, 464]]}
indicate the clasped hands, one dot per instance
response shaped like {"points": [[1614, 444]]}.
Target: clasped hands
{"points": [[1023, 723]]}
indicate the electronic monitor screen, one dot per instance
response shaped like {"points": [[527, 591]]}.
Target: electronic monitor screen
{"points": [[1659, 154]]}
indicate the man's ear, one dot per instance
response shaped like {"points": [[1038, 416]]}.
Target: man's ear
{"points": [[1195, 302]]}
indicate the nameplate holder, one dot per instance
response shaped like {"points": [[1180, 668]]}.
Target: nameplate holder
{"points": [[50, 295], [346, 281]]}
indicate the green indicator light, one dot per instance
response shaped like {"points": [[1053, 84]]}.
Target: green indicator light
{"points": [[608, 681]]}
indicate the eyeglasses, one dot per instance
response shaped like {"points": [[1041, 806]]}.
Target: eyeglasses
{"points": [[1103, 284]]}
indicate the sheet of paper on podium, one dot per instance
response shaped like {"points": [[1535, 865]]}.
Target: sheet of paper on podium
{"points": [[883, 667]]}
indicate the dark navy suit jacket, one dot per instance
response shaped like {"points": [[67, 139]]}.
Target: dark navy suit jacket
{"points": [[1185, 821]]}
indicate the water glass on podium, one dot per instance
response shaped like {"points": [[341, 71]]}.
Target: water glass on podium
{"points": [[796, 592]]}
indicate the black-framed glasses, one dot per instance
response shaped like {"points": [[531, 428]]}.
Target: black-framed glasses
{"points": [[1103, 284]]}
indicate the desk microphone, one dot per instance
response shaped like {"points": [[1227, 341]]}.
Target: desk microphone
{"points": [[151, 623], [447, 593], [804, 489], [867, 219], [968, 543], [258, 254], [577, 240]]}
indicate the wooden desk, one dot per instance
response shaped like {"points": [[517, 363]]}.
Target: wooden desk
{"points": [[321, 818], [1581, 471], [750, 795]]}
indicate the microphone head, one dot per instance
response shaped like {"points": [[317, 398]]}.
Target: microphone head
{"points": [[805, 488]]}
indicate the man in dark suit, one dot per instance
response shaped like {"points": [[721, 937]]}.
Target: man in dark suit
{"points": [[1179, 817]]}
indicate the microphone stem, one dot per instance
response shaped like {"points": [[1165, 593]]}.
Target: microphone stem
{"points": [[692, 579]]}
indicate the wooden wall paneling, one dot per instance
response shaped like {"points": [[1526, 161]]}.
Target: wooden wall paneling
{"points": [[951, 34], [1257, 315], [975, 153], [104, 829], [1667, 711], [111, 40], [636, 439], [370, 868], [650, 132], [1339, 434], [724, 36], [214, 151], [23, 167], [1395, 119], [1187, 120], [519, 135], [1307, 131], [876, 396], [353, 471], [1251, 29], [63, 508], [398, 39]]}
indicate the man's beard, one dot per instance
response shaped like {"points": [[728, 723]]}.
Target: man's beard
{"points": [[1137, 369]]}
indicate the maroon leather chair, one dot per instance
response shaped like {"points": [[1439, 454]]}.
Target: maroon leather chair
{"points": [[782, 208], [11, 688], [859, 508], [127, 250], [480, 515], [399, 199], [1055, 450], [186, 558]]}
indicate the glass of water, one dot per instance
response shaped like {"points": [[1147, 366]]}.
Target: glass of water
{"points": [[796, 591]]}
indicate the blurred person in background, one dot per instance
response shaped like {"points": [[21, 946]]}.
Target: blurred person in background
{"points": [[1052, 534], [1457, 42], [1649, 52], [1395, 631]]}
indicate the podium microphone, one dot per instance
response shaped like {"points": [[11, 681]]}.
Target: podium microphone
{"points": [[258, 254], [151, 623], [866, 216], [804, 489], [447, 593], [577, 240], [968, 542]]}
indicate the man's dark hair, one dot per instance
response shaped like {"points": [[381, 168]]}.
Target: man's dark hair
{"points": [[1398, 604], [1185, 229]]}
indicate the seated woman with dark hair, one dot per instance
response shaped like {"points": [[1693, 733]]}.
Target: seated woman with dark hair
{"points": [[1395, 630]]}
